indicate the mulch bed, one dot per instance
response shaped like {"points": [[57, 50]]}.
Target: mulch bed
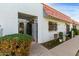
{"points": [[52, 43]]}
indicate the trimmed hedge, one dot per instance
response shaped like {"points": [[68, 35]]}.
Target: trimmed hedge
{"points": [[15, 45], [77, 32], [60, 35]]}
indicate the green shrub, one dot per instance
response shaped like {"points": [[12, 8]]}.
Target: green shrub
{"points": [[70, 34], [15, 44], [60, 35], [77, 32]]}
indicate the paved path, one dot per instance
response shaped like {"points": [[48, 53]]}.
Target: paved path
{"points": [[68, 48], [39, 50]]}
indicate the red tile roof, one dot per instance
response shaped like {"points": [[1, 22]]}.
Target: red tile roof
{"points": [[75, 22], [54, 13]]}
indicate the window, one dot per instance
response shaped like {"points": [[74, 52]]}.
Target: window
{"points": [[52, 26]]}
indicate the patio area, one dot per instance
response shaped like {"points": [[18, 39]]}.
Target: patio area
{"points": [[68, 48]]}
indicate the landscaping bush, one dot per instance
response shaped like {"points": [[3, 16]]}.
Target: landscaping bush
{"points": [[77, 32], [60, 35], [69, 35], [15, 45]]}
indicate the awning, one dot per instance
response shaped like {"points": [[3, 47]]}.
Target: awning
{"points": [[26, 16], [54, 13]]}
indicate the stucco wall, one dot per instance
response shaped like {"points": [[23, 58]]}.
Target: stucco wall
{"points": [[77, 27], [71, 26], [9, 19], [9, 15], [49, 35], [35, 9]]}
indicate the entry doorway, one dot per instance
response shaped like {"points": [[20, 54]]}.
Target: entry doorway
{"points": [[29, 28], [28, 25], [25, 28]]}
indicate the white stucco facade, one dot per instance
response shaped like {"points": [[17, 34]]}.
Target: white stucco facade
{"points": [[9, 16], [49, 35], [77, 26], [9, 20]]}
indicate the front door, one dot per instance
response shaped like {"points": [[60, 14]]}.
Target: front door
{"points": [[29, 28]]}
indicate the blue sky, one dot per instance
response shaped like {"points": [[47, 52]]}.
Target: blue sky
{"points": [[70, 9]]}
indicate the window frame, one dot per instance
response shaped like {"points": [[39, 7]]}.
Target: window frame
{"points": [[52, 26]]}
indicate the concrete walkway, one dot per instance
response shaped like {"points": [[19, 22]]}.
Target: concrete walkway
{"points": [[68, 48], [39, 50]]}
